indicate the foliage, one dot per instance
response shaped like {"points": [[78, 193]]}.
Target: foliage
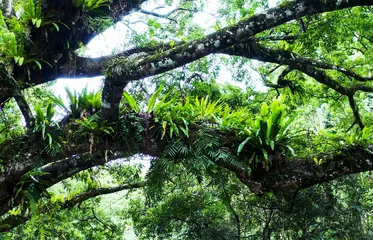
{"points": [[175, 116], [94, 125], [79, 103], [360, 137], [14, 36], [268, 134], [43, 125], [199, 215], [90, 5], [32, 11], [30, 189], [10, 47]]}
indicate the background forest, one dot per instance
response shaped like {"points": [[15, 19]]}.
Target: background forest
{"points": [[224, 119]]}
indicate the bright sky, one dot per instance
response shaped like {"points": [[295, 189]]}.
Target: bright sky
{"points": [[113, 40]]}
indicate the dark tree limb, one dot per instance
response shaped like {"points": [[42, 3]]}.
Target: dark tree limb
{"points": [[111, 96], [18, 96], [355, 111], [25, 109], [55, 172]]}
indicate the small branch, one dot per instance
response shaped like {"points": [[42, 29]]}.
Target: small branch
{"points": [[281, 79], [167, 15], [164, 16], [236, 217], [193, 76], [304, 65], [13, 221], [355, 111], [352, 125], [277, 38], [100, 191], [109, 227]]}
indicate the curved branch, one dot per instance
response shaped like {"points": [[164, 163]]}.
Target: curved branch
{"points": [[303, 65], [54, 172], [25, 109], [355, 111], [167, 15], [100, 191], [18, 96], [124, 70], [12, 221], [307, 66]]}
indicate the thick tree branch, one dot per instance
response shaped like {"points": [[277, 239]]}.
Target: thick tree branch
{"points": [[290, 175], [56, 49], [111, 96], [227, 37], [142, 67]]}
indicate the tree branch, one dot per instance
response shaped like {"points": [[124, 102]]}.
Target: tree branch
{"points": [[291, 175], [98, 192], [18, 96], [256, 51], [167, 15], [124, 70], [158, 15], [25, 109], [355, 111], [140, 67], [12, 221], [55, 172]]}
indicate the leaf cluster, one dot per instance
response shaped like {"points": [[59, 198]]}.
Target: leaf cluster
{"points": [[43, 125], [82, 103], [268, 134], [90, 5]]}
